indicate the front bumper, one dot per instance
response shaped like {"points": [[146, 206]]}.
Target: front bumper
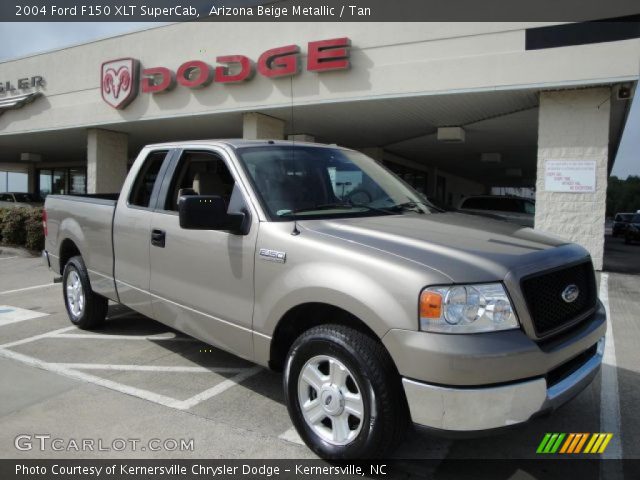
{"points": [[483, 408]]}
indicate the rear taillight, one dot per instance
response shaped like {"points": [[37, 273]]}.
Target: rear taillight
{"points": [[44, 222]]}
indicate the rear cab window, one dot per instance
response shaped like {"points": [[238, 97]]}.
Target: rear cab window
{"points": [[143, 186]]}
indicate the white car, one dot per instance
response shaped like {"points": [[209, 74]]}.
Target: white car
{"points": [[19, 199], [518, 210]]}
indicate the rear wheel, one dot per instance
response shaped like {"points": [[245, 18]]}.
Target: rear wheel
{"points": [[344, 394], [86, 309]]}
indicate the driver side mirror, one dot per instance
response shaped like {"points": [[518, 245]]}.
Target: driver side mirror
{"points": [[209, 212]]}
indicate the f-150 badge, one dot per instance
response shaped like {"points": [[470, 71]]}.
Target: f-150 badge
{"points": [[273, 255]]}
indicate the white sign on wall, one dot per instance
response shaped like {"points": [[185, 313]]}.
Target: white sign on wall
{"points": [[574, 176]]}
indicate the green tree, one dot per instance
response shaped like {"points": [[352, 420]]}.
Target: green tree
{"points": [[623, 195]]}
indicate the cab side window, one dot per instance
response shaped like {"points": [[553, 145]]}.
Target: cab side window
{"points": [[199, 173], [140, 195]]}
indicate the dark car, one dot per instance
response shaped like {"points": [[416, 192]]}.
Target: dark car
{"points": [[509, 208], [632, 232], [620, 223]]}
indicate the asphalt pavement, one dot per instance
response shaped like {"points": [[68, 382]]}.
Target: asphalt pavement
{"points": [[136, 379]]}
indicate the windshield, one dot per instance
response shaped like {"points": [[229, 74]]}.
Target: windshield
{"points": [[317, 182], [635, 218]]}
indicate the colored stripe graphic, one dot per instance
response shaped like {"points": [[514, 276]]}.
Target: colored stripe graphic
{"points": [[573, 443], [543, 443], [581, 443]]}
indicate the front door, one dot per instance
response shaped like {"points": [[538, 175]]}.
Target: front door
{"points": [[202, 280]]}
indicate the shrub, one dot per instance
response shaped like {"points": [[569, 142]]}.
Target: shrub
{"points": [[13, 231], [22, 227], [34, 232]]}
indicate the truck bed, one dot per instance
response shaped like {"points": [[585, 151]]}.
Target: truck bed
{"points": [[87, 223]]}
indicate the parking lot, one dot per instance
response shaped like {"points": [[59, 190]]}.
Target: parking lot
{"points": [[136, 379]]}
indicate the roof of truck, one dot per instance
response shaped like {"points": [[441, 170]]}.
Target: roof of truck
{"points": [[239, 142]]}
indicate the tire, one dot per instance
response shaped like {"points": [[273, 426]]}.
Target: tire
{"points": [[86, 309], [348, 365]]}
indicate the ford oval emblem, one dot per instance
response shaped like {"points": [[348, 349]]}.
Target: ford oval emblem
{"points": [[570, 293]]}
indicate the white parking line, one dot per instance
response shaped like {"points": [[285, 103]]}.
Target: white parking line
{"points": [[291, 436], [8, 258], [609, 393], [86, 377], [10, 314], [218, 389], [37, 337], [73, 370], [7, 292], [147, 368]]}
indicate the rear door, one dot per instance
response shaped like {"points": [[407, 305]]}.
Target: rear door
{"points": [[132, 232], [202, 280]]}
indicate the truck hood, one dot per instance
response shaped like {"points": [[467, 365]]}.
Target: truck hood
{"points": [[464, 248]]}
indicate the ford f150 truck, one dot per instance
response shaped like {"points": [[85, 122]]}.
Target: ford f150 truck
{"points": [[379, 308]]}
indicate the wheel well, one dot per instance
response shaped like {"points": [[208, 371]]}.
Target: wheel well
{"points": [[303, 317], [68, 249]]}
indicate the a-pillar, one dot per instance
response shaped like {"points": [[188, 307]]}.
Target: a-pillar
{"points": [[257, 126], [107, 154], [573, 126]]}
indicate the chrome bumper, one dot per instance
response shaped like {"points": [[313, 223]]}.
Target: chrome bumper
{"points": [[484, 408]]}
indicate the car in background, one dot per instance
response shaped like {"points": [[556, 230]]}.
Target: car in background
{"points": [[620, 223], [632, 232], [20, 199], [509, 208]]}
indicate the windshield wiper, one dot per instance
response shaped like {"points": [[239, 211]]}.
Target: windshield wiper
{"points": [[407, 206], [324, 206], [331, 206]]}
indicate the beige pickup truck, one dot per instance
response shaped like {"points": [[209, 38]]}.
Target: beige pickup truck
{"points": [[380, 309]]}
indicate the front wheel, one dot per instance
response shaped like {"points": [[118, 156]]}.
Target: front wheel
{"points": [[343, 394], [86, 309]]}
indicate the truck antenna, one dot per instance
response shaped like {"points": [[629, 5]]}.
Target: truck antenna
{"points": [[293, 153]]}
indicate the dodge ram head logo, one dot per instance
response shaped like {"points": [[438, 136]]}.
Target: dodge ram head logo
{"points": [[119, 82]]}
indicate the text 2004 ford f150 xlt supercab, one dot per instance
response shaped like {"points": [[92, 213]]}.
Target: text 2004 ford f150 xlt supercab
{"points": [[379, 308]]}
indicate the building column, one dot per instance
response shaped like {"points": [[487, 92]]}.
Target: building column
{"points": [[301, 137], [32, 178], [256, 126], [107, 155], [574, 125]]}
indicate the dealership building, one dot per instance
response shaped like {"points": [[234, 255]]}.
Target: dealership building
{"points": [[455, 109]]}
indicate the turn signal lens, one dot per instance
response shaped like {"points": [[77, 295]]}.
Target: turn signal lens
{"points": [[430, 304]]}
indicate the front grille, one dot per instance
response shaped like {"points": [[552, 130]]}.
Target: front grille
{"points": [[543, 294]]}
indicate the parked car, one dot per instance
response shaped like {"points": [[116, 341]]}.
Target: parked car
{"points": [[632, 232], [379, 312], [19, 199], [512, 209], [620, 223]]}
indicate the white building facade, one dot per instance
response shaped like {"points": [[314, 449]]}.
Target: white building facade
{"points": [[526, 107]]}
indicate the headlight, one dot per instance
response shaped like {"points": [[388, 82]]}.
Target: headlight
{"points": [[466, 309]]}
